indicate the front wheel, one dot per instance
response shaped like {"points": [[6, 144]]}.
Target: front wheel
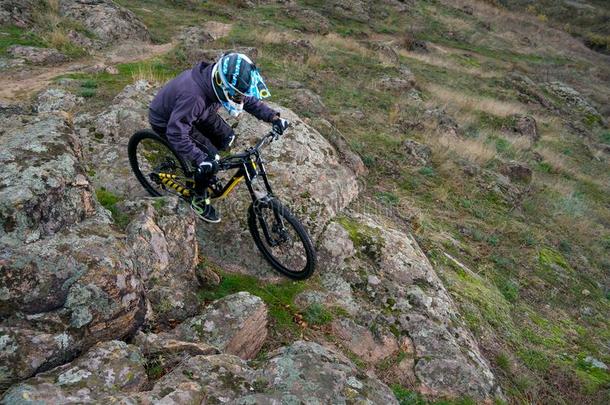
{"points": [[282, 239]]}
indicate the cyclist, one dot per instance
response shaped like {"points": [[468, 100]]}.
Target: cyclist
{"points": [[185, 111]]}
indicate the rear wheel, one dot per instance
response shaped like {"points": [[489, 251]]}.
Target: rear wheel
{"points": [[282, 239], [149, 155]]}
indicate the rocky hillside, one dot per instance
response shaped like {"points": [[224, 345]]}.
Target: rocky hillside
{"points": [[449, 159]]}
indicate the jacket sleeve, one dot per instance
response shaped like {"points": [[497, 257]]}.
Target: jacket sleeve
{"points": [[180, 124], [259, 109], [214, 124]]}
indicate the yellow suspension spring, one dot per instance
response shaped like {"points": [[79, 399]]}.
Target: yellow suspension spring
{"points": [[167, 179]]}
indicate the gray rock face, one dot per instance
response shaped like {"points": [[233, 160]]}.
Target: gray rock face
{"points": [[43, 187], [109, 21], [306, 370], [573, 98], [236, 324], [17, 12], [63, 294], [361, 341], [396, 287], [37, 56], [306, 174], [106, 135], [108, 368], [52, 100], [309, 101], [417, 154], [162, 236]]}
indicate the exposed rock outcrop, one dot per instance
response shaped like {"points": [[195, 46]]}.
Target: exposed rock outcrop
{"points": [[37, 56], [162, 237], [397, 287], [106, 135], [236, 324], [306, 174], [108, 368], [54, 100], [106, 19]]}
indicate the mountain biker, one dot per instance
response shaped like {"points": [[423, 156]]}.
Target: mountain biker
{"points": [[185, 112]]}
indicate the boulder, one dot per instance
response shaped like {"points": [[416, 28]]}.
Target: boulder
{"points": [[43, 188], [524, 125], [168, 352], [445, 123], [236, 324], [395, 84], [306, 174], [192, 39], [52, 100], [106, 19], [162, 236], [386, 52], [37, 56], [211, 379], [107, 368], [305, 371], [417, 154], [308, 102], [389, 284], [573, 98], [62, 294], [517, 171]]}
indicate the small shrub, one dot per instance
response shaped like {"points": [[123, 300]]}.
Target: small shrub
{"points": [[89, 84], [109, 201], [316, 314], [503, 361], [388, 198], [87, 92], [427, 171]]}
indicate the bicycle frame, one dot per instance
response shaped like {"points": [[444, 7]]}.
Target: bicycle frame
{"points": [[249, 165]]}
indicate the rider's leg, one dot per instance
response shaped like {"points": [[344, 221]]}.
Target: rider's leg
{"points": [[200, 203]]}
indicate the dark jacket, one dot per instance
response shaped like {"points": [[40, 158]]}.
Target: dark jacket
{"points": [[189, 100]]}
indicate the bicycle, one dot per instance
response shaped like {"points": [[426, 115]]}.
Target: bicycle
{"points": [[277, 233]]}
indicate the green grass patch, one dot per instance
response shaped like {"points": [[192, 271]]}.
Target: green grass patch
{"points": [[366, 240], [278, 297], [317, 314], [109, 201], [11, 35]]}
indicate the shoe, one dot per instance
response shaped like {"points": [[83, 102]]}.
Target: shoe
{"points": [[203, 209]]}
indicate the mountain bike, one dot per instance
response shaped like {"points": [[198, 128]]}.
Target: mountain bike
{"points": [[277, 233]]}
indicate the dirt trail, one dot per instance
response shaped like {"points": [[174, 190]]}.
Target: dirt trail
{"points": [[20, 84]]}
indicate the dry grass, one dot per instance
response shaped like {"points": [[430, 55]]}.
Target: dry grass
{"points": [[467, 102], [337, 41], [57, 38], [473, 150], [273, 37]]}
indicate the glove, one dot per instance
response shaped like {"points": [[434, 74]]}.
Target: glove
{"points": [[279, 125], [208, 166]]}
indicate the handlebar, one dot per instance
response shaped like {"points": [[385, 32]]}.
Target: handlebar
{"points": [[231, 161]]}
